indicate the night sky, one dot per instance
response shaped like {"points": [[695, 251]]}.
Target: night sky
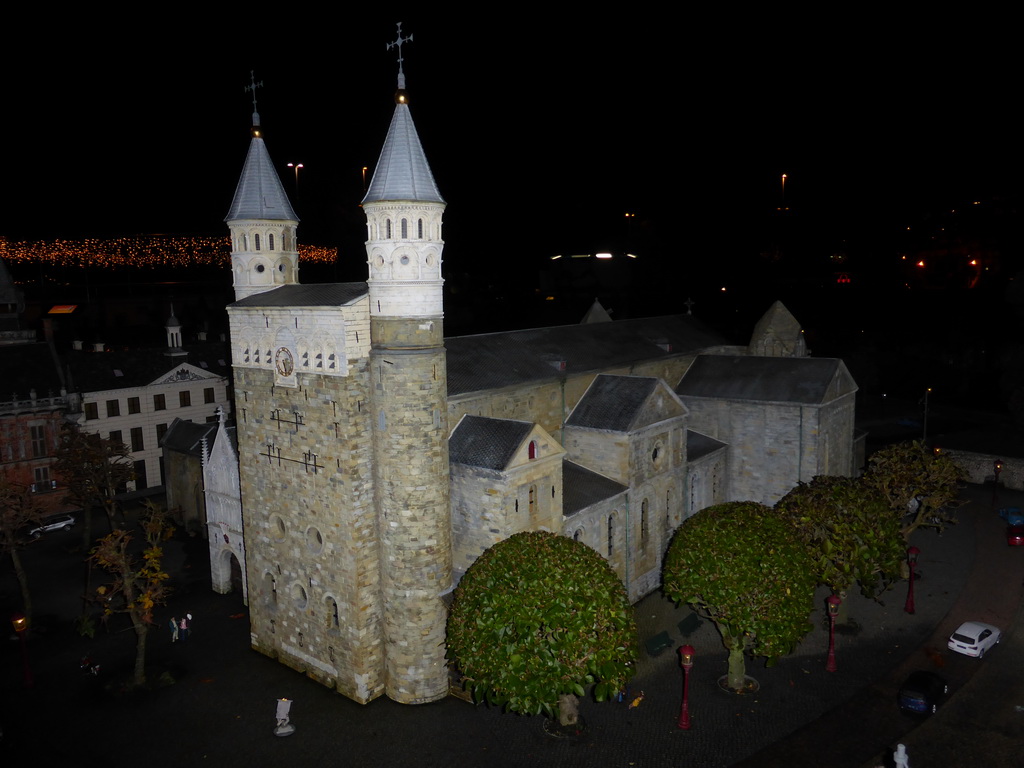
{"points": [[542, 129]]}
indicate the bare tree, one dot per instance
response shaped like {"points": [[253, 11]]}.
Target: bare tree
{"points": [[18, 509]]}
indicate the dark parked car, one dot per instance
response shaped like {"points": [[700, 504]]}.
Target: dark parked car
{"points": [[921, 693]]}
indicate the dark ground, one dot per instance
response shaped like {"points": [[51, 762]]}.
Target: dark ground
{"points": [[220, 710]]}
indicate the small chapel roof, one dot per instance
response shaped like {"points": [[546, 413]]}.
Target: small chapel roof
{"points": [[259, 194], [582, 488], [804, 380], [402, 171], [480, 441], [612, 403], [187, 436]]}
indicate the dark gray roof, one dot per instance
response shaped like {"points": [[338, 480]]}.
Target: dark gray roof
{"points": [[187, 436], [402, 171], [259, 194], [768, 379], [581, 488], [315, 295], [698, 445], [27, 367], [97, 371], [512, 358], [612, 403], [479, 441]]}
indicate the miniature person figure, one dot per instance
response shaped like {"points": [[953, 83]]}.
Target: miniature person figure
{"points": [[901, 760], [174, 629], [284, 726], [183, 627]]}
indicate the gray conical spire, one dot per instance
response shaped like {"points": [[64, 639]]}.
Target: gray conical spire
{"points": [[260, 194], [402, 171]]}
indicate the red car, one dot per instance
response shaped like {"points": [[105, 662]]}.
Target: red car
{"points": [[1015, 535]]}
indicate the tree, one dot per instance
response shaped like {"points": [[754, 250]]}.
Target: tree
{"points": [[919, 484], [849, 530], [536, 620], [739, 565], [138, 585], [18, 509], [93, 469]]}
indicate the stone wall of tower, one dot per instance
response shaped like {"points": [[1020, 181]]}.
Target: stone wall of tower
{"points": [[305, 461], [409, 389]]}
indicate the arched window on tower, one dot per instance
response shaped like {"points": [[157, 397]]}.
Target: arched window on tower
{"points": [[256, 241], [405, 229], [419, 229], [531, 451], [388, 236], [270, 241]]}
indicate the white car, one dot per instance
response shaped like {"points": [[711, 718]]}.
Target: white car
{"points": [[973, 638], [56, 523]]}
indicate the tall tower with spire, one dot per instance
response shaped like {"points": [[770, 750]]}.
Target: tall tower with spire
{"points": [[264, 251], [409, 402]]}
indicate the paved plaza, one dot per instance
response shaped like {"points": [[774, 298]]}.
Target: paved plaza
{"points": [[220, 709]]}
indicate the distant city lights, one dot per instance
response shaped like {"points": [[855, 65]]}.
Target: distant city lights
{"points": [[141, 252]]}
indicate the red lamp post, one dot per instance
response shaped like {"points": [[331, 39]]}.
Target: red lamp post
{"points": [[20, 623], [686, 654], [912, 553], [833, 610]]}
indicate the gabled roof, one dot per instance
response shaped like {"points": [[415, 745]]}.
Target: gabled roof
{"points": [[259, 194], [698, 445], [315, 295], [187, 436], [100, 371], [806, 380], [402, 171], [624, 404], [513, 358], [479, 441], [582, 488], [612, 403]]}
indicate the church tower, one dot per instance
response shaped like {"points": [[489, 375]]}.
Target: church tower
{"points": [[409, 400], [264, 252]]}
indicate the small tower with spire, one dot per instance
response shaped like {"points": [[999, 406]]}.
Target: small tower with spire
{"points": [[410, 413], [264, 250]]}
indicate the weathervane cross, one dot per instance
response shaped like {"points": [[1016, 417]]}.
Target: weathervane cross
{"points": [[398, 44], [253, 85]]}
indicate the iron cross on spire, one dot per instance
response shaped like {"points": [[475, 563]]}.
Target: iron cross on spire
{"points": [[253, 85], [398, 44]]}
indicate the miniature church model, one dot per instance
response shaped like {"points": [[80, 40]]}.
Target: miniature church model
{"points": [[376, 460]]}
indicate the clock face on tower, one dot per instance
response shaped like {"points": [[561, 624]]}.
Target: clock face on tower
{"points": [[284, 362]]}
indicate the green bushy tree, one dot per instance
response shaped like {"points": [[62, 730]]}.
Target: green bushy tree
{"points": [[536, 620], [740, 565]]}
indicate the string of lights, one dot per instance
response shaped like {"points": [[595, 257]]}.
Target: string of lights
{"points": [[139, 252]]}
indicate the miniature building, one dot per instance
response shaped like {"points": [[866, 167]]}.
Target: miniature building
{"points": [[377, 459]]}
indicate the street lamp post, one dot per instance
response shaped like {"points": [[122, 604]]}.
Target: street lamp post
{"points": [[997, 467], [833, 610], [20, 623], [296, 166], [912, 553], [686, 654]]}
